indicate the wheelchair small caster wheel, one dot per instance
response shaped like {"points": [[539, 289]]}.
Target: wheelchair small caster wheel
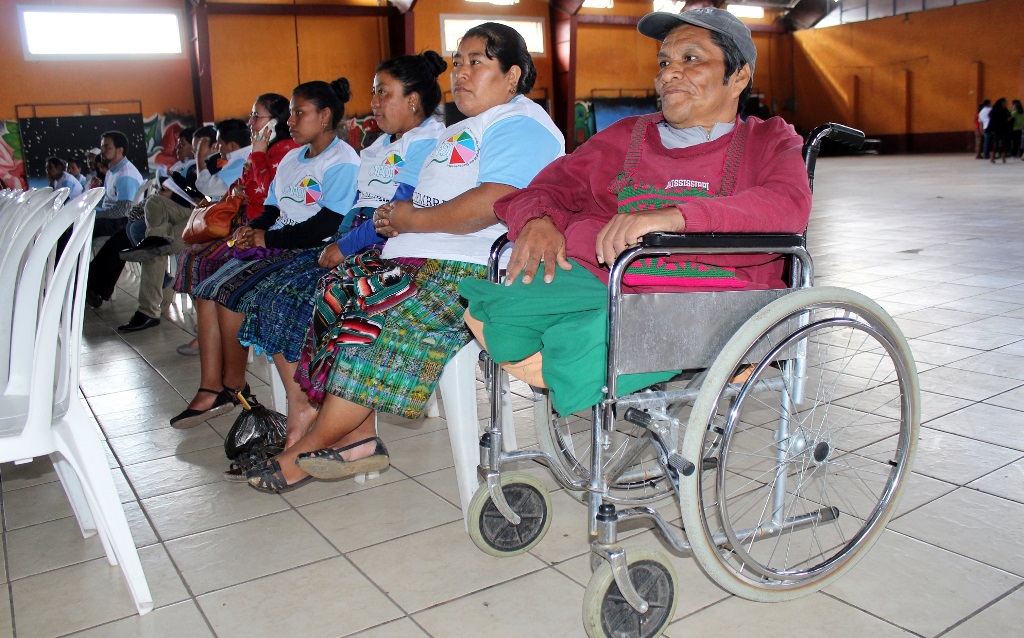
{"points": [[493, 533], [606, 614]]}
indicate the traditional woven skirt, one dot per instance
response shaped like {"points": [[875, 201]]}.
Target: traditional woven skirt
{"points": [[278, 312], [197, 262], [233, 282], [398, 372]]}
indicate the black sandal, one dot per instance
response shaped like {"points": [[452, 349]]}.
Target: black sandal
{"points": [[269, 479], [254, 461], [329, 464], [189, 418]]}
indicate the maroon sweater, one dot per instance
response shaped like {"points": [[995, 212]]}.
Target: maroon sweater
{"points": [[771, 193]]}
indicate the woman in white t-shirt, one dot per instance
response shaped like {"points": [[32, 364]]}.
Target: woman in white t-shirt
{"points": [[395, 357]]}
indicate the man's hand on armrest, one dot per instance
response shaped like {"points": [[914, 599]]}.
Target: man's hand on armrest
{"points": [[627, 229], [539, 241]]}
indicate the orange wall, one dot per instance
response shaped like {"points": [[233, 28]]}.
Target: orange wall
{"points": [[427, 23], [911, 74], [161, 85], [250, 55]]}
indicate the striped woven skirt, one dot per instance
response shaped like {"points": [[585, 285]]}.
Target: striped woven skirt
{"points": [[279, 309], [397, 373], [198, 261], [236, 280]]}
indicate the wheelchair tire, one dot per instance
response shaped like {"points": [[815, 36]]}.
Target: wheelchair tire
{"points": [[606, 614], [493, 534], [842, 456]]}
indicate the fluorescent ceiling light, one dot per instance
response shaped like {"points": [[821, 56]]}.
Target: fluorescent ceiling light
{"points": [[497, 2], [453, 27], [598, 4], [746, 11], [671, 6], [66, 32]]}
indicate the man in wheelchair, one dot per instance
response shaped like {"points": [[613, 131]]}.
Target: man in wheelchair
{"points": [[694, 167]]}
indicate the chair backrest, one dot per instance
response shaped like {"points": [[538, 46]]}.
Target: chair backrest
{"points": [[145, 190], [24, 205], [40, 301], [18, 240]]}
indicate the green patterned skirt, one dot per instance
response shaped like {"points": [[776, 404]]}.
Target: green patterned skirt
{"points": [[398, 372]]}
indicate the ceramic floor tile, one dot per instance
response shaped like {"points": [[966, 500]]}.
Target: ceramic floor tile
{"points": [[238, 553], [982, 305], [735, 616], [164, 442], [944, 316], [1013, 399], [984, 422], [178, 472], [923, 589], [1004, 618], [47, 546], [242, 610], [965, 385], [420, 454], [443, 483], [380, 514], [1007, 482], [424, 578], [173, 621], [206, 507], [1001, 324], [403, 628], [139, 381], [995, 363], [6, 625], [139, 420], [957, 459], [91, 593], [969, 337], [142, 531], [35, 504], [938, 353], [972, 523], [131, 399], [545, 603], [392, 428], [39, 471]]}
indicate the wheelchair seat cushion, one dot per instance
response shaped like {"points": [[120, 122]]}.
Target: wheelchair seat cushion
{"points": [[566, 321]]}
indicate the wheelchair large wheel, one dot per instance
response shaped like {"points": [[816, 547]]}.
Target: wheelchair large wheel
{"points": [[797, 483], [606, 614], [631, 464], [493, 534]]}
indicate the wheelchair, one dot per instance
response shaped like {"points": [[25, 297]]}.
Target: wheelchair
{"points": [[786, 441]]}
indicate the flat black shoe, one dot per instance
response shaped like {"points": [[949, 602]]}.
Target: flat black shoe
{"points": [[189, 418], [138, 322], [93, 299], [148, 248]]}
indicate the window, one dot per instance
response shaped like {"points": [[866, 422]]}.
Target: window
{"points": [[532, 30], [67, 33]]}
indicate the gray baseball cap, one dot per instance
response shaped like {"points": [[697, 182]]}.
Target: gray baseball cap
{"points": [[657, 25]]}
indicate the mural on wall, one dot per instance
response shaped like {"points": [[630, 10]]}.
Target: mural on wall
{"points": [[584, 126], [161, 136], [12, 165]]}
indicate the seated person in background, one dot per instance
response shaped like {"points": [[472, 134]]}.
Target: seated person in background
{"points": [[694, 167], [75, 170], [107, 265], [438, 238], [93, 179], [59, 178], [164, 218], [120, 184], [221, 164]]}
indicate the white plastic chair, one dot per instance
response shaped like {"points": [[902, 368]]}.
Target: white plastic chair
{"points": [[21, 208], [146, 189], [40, 410]]}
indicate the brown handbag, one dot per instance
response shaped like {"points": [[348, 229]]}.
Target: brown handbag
{"points": [[213, 221]]}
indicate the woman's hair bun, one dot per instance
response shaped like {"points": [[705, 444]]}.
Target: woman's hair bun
{"points": [[341, 87], [435, 63]]}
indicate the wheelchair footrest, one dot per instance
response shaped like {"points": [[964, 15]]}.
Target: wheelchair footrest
{"points": [[681, 465]]}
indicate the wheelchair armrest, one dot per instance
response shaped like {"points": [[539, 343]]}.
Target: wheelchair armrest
{"points": [[744, 242]]}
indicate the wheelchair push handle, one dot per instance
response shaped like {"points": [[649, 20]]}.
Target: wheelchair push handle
{"points": [[837, 132]]}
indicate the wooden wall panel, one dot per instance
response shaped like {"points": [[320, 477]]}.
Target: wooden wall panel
{"points": [[350, 47]]}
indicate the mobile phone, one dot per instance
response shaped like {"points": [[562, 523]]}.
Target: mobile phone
{"points": [[269, 130]]}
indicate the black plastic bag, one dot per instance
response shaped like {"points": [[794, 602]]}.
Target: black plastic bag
{"points": [[255, 430]]}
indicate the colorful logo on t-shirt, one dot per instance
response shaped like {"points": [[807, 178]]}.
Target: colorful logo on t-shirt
{"points": [[458, 150], [307, 192], [386, 171]]}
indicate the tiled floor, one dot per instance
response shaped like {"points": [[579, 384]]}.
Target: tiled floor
{"points": [[937, 239]]}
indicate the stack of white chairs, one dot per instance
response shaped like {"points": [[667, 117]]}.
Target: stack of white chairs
{"points": [[41, 412]]}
